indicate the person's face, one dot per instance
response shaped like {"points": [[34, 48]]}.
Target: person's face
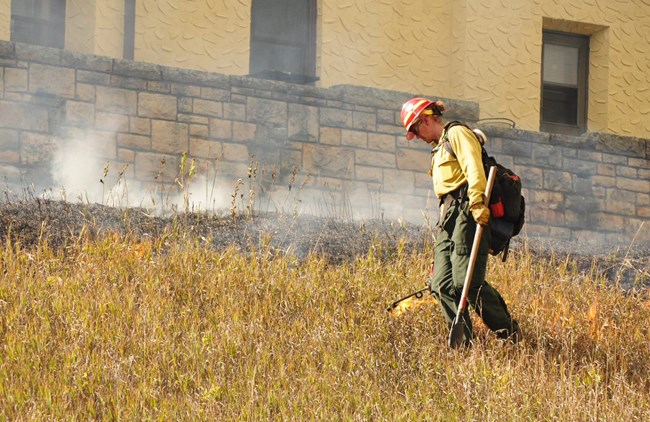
{"points": [[427, 129]]}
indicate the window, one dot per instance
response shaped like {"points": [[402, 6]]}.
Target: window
{"points": [[565, 59], [39, 22], [283, 40]]}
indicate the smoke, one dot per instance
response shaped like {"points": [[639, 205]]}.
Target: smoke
{"points": [[81, 172]]}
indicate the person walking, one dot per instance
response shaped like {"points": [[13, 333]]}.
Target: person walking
{"points": [[459, 182]]}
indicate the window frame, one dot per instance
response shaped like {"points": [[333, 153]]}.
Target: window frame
{"points": [[581, 42], [54, 24], [309, 61]]}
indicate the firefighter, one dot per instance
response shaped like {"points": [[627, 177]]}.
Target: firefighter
{"points": [[459, 182]]}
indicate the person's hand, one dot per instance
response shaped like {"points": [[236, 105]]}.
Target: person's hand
{"points": [[481, 213]]}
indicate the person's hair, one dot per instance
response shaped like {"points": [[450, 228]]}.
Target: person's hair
{"points": [[437, 107]]}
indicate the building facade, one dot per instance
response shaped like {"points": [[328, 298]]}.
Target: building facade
{"points": [[133, 86], [505, 56]]}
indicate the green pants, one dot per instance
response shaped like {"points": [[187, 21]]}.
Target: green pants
{"points": [[452, 251]]}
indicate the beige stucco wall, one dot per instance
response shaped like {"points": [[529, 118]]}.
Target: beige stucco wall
{"points": [[491, 53], [477, 50], [212, 35], [5, 20], [392, 44]]}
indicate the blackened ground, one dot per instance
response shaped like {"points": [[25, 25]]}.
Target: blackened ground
{"points": [[337, 241]]}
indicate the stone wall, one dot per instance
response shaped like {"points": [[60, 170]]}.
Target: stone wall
{"points": [[100, 123]]}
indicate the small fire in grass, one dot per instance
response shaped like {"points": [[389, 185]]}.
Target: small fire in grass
{"points": [[411, 302]]}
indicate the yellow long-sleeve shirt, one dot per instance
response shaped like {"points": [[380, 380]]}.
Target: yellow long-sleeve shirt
{"points": [[449, 173]]}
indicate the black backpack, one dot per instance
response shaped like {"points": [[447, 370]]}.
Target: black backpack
{"points": [[507, 204]]}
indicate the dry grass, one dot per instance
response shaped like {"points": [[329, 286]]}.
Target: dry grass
{"points": [[119, 328]]}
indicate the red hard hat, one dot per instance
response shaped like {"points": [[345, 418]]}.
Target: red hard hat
{"points": [[411, 110]]}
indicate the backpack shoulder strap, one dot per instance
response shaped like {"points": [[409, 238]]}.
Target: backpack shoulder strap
{"points": [[445, 142]]}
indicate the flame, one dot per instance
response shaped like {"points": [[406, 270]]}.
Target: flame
{"points": [[593, 312], [411, 303]]}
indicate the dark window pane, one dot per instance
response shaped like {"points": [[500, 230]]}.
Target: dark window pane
{"points": [[283, 37], [560, 105], [565, 64], [40, 22], [269, 56]]}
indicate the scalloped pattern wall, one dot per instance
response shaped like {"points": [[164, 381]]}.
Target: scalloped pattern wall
{"points": [[5, 19], [488, 51], [211, 35]]}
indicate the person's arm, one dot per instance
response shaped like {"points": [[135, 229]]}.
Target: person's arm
{"points": [[468, 153]]}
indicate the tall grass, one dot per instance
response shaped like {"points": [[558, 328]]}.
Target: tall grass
{"points": [[118, 328]]}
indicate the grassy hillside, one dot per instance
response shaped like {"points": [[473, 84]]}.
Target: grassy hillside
{"points": [[168, 327]]}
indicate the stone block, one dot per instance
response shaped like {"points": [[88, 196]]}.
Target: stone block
{"points": [[268, 112], [159, 86], [93, 78], [7, 49], [517, 148], [15, 80], [196, 77], [127, 156], [150, 167], [139, 125], [157, 106], [207, 108], [369, 174], [54, 80], [620, 145], [85, 92], [37, 53], [244, 132], [135, 69], [546, 216], [185, 90], [411, 159], [215, 94], [139, 142], [627, 172], [303, 123], [381, 142], [635, 185], [354, 138], [557, 181], [335, 117], [9, 146], [233, 111], [364, 121], [128, 83], [169, 137], [606, 169], [78, 113], [116, 100], [221, 129], [185, 105], [328, 161], [603, 181], [545, 156], [235, 152], [199, 131], [388, 117], [86, 61], [546, 199], [111, 122], [375, 158], [201, 148], [23, 116], [193, 118], [36, 148], [398, 181], [330, 136], [581, 167]]}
